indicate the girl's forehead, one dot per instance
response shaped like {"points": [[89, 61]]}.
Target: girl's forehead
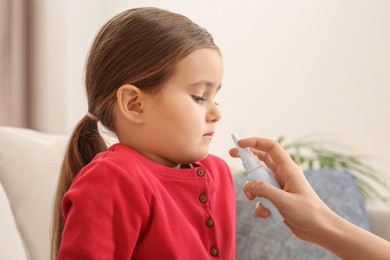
{"points": [[200, 68]]}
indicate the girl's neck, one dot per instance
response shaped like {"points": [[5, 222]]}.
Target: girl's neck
{"points": [[185, 166]]}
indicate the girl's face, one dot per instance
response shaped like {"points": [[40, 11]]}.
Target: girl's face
{"points": [[181, 121]]}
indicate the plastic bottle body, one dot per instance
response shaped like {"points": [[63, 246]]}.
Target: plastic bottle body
{"points": [[256, 171], [262, 174]]}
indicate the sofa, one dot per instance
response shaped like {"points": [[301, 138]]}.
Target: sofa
{"points": [[29, 166]]}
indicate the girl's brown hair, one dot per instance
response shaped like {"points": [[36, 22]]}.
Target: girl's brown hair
{"points": [[139, 46]]}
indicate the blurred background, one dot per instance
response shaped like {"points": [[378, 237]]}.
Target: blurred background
{"points": [[291, 67]]}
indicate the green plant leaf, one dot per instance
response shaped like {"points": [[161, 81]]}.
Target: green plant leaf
{"points": [[326, 151]]}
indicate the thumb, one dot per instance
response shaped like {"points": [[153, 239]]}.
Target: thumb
{"points": [[253, 189]]}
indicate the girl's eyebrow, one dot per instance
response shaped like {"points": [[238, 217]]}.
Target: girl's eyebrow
{"points": [[205, 83]]}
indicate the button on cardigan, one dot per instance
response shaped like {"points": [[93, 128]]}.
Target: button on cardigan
{"points": [[124, 206]]}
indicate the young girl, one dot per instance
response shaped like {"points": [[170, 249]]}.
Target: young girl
{"points": [[151, 78]]}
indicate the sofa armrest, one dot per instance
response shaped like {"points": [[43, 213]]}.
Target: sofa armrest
{"points": [[379, 217], [11, 243], [29, 166]]}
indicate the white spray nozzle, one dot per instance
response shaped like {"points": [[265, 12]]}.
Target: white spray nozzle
{"points": [[235, 139], [249, 160]]}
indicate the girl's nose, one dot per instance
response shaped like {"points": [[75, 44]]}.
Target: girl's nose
{"points": [[214, 115]]}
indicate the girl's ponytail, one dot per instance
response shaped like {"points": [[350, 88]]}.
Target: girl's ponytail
{"points": [[84, 143]]}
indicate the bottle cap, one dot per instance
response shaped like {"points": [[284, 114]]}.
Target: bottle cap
{"points": [[249, 160]]}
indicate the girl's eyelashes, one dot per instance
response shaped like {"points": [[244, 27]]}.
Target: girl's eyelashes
{"points": [[201, 99], [198, 99]]}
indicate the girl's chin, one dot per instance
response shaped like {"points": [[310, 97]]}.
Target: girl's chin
{"points": [[197, 157], [203, 155]]}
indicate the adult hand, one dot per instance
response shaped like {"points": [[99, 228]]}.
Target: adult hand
{"points": [[296, 201], [304, 212]]}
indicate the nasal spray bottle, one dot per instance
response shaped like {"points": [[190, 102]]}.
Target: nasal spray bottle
{"points": [[256, 171]]}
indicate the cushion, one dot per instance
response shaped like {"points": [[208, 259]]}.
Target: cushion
{"points": [[260, 239], [29, 166], [11, 244]]}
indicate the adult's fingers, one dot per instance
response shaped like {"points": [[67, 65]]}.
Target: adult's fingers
{"points": [[261, 211], [272, 147], [263, 156], [233, 152], [254, 189]]}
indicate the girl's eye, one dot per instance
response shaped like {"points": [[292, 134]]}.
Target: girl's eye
{"points": [[198, 99]]}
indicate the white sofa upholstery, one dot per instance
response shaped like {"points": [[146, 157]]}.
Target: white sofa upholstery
{"points": [[29, 166]]}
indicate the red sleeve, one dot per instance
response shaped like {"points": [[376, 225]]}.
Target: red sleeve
{"points": [[104, 212]]}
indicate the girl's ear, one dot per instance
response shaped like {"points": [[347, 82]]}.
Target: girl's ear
{"points": [[130, 102]]}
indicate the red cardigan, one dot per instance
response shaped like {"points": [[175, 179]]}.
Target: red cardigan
{"points": [[124, 206]]}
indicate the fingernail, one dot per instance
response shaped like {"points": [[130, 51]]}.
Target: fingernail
{"points": [[264, 213]]}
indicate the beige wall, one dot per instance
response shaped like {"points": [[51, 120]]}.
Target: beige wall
{"points": [[291, 67]]}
